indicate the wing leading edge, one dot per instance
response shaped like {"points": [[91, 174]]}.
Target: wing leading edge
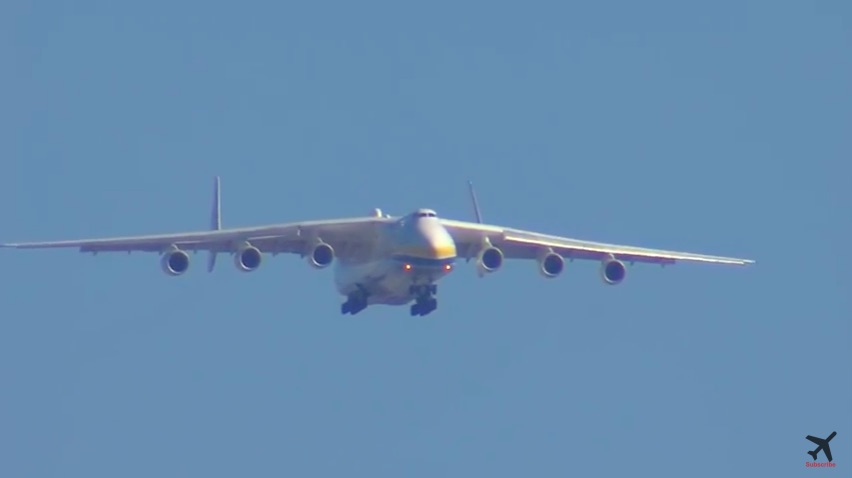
{"points": [[353, 234], [520, 244], [341, 234], [283, 238], [514, 243]]}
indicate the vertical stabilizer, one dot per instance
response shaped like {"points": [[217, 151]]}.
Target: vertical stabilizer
{"points": [[215, 220], [475, 203]]}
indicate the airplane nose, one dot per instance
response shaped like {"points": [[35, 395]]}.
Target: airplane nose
{"points": [[440, 243], [433, 242], [442, 247]]}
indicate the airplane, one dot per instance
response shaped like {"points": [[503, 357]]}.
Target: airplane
{"points": [[821, 445], [380, 259]]}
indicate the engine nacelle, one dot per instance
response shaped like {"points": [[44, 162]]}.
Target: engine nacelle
{"points": [[321, 256], [551, 264], [175, 263], [613, 271], [489, 260], [248, 258]]}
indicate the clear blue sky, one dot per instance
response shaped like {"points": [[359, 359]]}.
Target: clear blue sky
{"points": [[720, 128]]}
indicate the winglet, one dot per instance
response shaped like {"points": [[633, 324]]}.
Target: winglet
{"points": [[475, 203], [215, 219]]}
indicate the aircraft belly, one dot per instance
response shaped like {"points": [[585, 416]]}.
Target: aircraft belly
{"points": [[348, 275], [385, 281]]}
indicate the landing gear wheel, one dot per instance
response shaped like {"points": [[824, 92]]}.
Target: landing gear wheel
{"points": [[425, 301], [356, 302], [424, 306], [353, 307]]}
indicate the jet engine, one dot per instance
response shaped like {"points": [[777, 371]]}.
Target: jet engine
{"points": [[175, 263], [490, 260], [248, 258], [613, 271], [321, 256], [551, 264]]}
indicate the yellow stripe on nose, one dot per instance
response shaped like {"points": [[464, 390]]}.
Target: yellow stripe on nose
{"points": [[444, 250], [441, 250]]}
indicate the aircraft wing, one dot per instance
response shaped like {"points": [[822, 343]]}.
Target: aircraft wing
{"points": [[519, 244], [341, 234], [818, 441], [827, 451]]}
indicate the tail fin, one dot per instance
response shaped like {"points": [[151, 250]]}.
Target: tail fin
{"points": [[475, 203], [215, 220], [813, 454]]}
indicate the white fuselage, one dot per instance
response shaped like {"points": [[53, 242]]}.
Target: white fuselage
{"points": [[415, 249]]}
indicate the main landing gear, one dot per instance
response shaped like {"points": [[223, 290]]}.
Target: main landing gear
{"points": [[425, 301], [356, 302]]}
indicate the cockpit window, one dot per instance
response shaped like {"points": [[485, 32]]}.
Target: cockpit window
{"points": [[425, 214]]}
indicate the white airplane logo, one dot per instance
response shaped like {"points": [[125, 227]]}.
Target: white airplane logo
{"points": [[381, 259]]}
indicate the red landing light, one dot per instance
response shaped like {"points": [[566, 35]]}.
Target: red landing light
{"points": [[407, 267], [448, 267]]}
